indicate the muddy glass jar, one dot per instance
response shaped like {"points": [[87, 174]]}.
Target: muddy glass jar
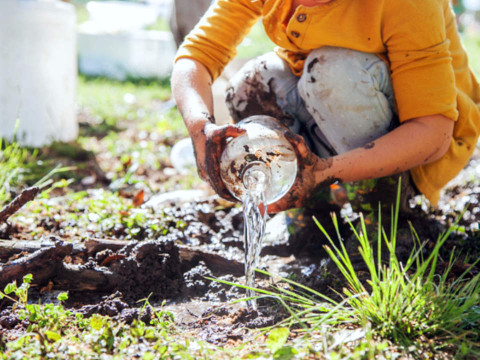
{"points": [[260, 160]]}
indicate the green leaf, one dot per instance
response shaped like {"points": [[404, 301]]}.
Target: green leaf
{"points": [[277, 338], [62, 296], [148, 356], [10, 288], [285, 353], [96, 323], [27, 278], [52, 335], [150, 333], [163, 350]]}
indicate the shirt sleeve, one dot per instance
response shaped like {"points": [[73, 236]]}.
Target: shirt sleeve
{"points": [[420, 61], [214, 40]]}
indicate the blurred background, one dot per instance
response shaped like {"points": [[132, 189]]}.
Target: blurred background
{"points": [[85, 95]]}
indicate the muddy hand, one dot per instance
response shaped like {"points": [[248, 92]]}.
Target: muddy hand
{"points": [[216, 139], [308, 163]]}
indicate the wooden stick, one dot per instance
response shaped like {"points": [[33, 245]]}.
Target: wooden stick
{"points": [[216, 263], [43, 264], [75, 278], [21, 199], [8, 248]]}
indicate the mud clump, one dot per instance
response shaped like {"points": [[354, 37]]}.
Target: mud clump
{"points": [[11, 326], [253, 319], [195, 280], [151, 267], [198, 285], [116, 308], [223, 325], [8, 320], [111, 306]]}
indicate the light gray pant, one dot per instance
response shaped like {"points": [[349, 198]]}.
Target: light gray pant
{"points": [[343, 100]]}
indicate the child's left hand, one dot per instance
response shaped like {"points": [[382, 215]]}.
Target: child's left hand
{"points": [[309, 176]]}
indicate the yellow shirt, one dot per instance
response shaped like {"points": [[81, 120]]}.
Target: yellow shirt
{"points": [[417, 38]]}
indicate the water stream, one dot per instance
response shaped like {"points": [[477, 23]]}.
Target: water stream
{"points": [[256, 182]]}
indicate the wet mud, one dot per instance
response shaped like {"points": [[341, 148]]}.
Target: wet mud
{"points": [[177, 266], [150, 268]]}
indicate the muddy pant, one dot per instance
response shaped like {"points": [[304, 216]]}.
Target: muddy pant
{"points": [[343, 100]]}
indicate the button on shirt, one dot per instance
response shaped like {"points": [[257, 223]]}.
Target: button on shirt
{"points": [[301, 18]]}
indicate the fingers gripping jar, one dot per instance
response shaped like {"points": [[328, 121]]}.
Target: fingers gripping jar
{"points": [[262, 159]]}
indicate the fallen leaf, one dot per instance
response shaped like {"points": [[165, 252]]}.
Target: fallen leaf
{"points": [[111, 258], [139, 198], [47, 288]]}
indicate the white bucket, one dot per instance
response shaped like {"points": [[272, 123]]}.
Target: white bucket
{"points": [[38, 71], [115, 16], [135, 54]]}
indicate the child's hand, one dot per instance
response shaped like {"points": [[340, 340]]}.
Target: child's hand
{"points": [[209, 144], [309, 175]]}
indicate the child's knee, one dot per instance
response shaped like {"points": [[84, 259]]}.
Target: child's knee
{"points": [[256, 87], [330, 69]]}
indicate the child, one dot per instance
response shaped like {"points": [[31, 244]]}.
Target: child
{"points": [[372, 88]]}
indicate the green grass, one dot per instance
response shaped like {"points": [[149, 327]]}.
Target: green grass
{"points": [[14, 164], [130, 122], [409, 302], [53, 330], [255, 44], [21, 167], [407, 307], [472, 45], [110, 101]]}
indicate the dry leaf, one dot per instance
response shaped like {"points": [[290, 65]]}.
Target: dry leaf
{"points": [[139, 198]]}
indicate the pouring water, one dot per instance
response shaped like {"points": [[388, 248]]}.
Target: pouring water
{"points": [[258, 168]]}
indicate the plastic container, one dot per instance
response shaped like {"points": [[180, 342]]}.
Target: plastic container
{"points": [[38, 71], [121, 15], [182, 157], [114, 43], [123, 55], [261, 160]]}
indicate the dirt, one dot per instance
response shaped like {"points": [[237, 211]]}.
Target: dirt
{"points": [[263, 94], [115, 307], [152, 265]]}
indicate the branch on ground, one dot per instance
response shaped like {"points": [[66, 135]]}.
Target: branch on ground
{"points": [[24, 197]]}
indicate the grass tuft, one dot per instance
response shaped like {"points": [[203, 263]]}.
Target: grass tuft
{"points": [[14, 161], [410, 302]]}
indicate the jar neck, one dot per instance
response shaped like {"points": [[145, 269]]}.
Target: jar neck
{"points": [[256, 176]]}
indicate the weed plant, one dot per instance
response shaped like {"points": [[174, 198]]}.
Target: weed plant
{"points": [[409, 302], [52, 331], [14, 164], [20, 166], [406, 303]]}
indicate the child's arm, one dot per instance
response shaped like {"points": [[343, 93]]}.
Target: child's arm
{"points": [[191, 86], [416, 142]]}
